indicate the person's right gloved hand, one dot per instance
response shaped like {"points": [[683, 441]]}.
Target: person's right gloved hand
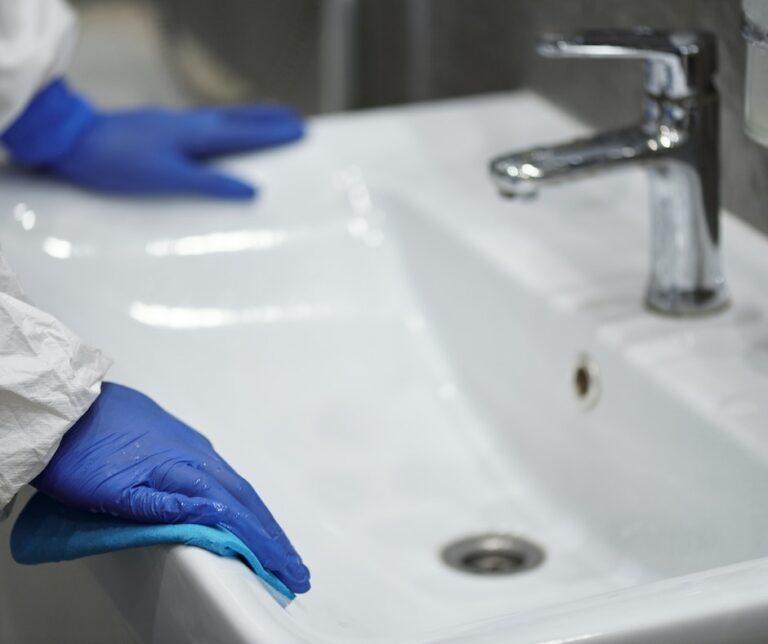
{"points": [[129, 458], [145, 151]]}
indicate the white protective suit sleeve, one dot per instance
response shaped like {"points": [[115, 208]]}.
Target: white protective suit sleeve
{"points": [[48, 376], [36, 41], [48, 379]]}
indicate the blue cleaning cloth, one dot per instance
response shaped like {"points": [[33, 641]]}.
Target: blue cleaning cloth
{"points": [[48, 531]]}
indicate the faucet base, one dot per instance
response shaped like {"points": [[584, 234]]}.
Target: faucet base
{"points": [[676, 303]]}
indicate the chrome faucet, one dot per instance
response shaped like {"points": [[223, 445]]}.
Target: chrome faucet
{"points": [[677, 139]]}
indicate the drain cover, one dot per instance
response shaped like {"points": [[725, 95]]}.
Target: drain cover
{"points": [[493, 554]]}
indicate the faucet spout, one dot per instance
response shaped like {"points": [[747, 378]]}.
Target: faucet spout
{"points": [[523, 173]]}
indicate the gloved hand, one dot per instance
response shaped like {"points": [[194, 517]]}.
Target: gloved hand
{"points": [[148, 151], [130, 458]]}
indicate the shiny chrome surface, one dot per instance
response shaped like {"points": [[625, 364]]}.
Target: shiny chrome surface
{"points": [[677, 139], [493, 554]]}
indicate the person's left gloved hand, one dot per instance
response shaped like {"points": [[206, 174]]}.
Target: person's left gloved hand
{"points": [[150, 151], [129, 458]]}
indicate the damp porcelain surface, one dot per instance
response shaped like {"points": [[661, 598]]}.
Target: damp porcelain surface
{"points": [[387, 350]]}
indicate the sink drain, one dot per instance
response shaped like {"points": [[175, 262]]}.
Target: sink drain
{"points": [[493, 554]]}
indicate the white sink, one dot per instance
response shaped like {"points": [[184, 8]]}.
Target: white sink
{"points": [[386, 349]]}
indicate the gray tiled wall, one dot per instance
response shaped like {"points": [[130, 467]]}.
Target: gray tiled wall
{"points": [[419, 49], [487, 45]]}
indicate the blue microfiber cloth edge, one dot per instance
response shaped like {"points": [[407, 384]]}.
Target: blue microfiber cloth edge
{"points": [[47, 531]]}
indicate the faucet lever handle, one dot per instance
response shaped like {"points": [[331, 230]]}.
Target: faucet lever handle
{"points": [[677, 63]]}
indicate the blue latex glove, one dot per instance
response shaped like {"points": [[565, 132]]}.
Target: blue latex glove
{"points": [[148, 151], [129, 458]]}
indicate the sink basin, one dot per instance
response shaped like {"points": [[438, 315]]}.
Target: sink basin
{"points": [[398, 359]]}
